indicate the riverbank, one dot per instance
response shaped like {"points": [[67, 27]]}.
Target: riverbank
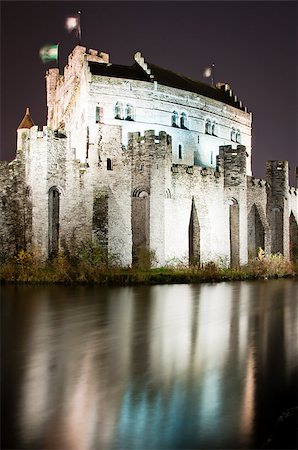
{"points": [[27, 268]]}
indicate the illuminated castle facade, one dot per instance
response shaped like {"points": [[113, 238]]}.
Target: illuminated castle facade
{"points": [[138, 157]]}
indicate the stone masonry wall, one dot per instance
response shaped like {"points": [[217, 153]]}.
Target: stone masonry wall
{"points": [[15, 209]]}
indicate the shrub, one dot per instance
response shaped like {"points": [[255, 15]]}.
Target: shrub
{"points": [[270, 265], [146, 258]]}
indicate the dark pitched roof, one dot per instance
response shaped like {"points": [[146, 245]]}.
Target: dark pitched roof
{"points": [[27, 121], [133, 72], [164, 77]]}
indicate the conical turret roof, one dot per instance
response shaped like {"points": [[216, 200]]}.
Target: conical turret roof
{"points": [[27, 121]]}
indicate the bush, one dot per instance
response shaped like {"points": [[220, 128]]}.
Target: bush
{"points": [[146, 258], [270, 265]]}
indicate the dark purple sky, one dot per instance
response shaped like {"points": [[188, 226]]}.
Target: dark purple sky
{"points": [[253, 45]]}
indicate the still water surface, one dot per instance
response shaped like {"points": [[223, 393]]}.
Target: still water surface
{"points": [[162, 367]]}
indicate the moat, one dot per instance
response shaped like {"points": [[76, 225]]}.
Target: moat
{"points": [[147, 367]]}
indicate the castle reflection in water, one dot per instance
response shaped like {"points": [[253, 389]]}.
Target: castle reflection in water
{"points": [[147, 367]]}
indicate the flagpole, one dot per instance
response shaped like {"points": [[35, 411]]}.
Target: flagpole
{"points": [[212, 74], [79, 27]]}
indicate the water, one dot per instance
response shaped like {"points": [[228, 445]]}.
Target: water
{"points": [[163, 367]]}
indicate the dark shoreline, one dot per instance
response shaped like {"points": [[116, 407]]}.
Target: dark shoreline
{"points": [[149, 277]]}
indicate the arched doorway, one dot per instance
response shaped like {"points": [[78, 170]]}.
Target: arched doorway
{"points": [[140, 217], [234, 232], [293, 238], [256, 233]]}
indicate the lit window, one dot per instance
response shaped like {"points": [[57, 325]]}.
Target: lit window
{"points": [[208, 128], [180, 151], [183, 121], [238, 136], [175, 119], [129, 113], [118, 110], [233, 135], [109, 164]]}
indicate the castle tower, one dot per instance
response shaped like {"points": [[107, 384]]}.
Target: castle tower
{"points": [[150, 156], [277, 175], [233, 163]]}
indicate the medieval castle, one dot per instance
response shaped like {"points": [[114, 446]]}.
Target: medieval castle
{"points": [[140, 157]]}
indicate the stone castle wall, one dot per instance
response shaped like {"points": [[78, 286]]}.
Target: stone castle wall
{"points": [[132, 198]]}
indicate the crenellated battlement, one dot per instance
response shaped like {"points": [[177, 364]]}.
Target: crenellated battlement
{"points": [[293, 191], [207, 172], [257, 182]]}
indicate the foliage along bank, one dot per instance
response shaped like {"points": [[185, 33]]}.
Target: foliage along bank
{"points": [[91, 264]]}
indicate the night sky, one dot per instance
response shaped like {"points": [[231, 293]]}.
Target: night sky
{"points": [[252, 44]]}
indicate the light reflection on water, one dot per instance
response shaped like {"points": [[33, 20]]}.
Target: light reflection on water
{"points": [[183, 366]]}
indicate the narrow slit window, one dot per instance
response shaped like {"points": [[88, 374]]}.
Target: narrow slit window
{"points": [[238, 136], [214, 129], [233, 135], [175, 119], [118, 111], [97, 114], [183, 121], [109, 164], [180, 151], [208, 127], [129, 112]]}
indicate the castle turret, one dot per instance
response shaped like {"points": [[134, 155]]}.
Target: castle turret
{"points": [[23, 129], [233, 163], [150, 157], [277, 175]]}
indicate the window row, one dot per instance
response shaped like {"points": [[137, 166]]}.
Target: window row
{"points": [[126, 113], [179, 122], [211, 127], [120, 112]]}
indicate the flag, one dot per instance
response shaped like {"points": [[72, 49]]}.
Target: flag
{"points": [[74, 23], [49, 53], [208, 72]]}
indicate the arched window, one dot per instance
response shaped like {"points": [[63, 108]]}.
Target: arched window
{"points": [[168, 193], [214, 129], [183, 121], [175, 119], [238, 136], [109, 164], [129, 114], [118, 110], [180, 151], [233, 135], [208, 129], [141, 192]]}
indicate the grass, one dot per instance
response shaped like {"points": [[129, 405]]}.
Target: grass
{"points": [[90, 264]]}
